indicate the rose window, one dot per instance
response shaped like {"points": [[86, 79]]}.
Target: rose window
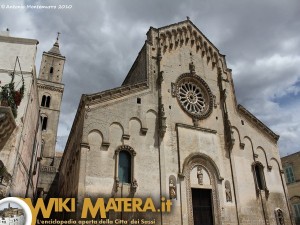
{"points": [[191, 97], [194, 95]]}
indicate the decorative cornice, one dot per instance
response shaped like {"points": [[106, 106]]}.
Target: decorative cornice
{"points": [[186, 33], [115, 93], [196, 128], [125, 148], [50, 88], [54, 55], [257, 122]]}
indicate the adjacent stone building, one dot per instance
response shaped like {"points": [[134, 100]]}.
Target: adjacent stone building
{"points": [[291, 166], [29, 115], [20, 134], [174, 129]]}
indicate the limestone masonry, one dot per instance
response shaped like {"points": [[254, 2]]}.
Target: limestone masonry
{"points": [[174, 129]]}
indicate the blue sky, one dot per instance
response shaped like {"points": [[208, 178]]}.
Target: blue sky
{"points": [[101, 39]]}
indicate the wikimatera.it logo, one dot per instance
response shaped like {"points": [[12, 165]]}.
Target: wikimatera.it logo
{"points": [[90, 208]]}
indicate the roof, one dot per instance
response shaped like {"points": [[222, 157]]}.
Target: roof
{"points": [[55, 49], [17, 40]]}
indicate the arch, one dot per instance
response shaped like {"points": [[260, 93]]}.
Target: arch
{"points": [[135, 126], [46, 98], [44, 121], [118, 124], [95, 138], [295, 198], [152, 126], [278, 164], [265, 154], [251, 143], [208, 161], [136, 119], [116, 132], [202, 160], [153, 111], [242, 145], [125, 148]]}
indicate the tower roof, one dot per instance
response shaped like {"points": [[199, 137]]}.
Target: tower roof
{"points": [[55, 49]]}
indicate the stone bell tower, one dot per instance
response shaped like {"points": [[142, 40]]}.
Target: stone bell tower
{"points": [[50, 91]]}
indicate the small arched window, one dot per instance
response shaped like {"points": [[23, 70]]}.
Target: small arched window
{"points": [[44, 121], [51, 69], [124, 167], [43, 103], [259, 177], [46, 101]]}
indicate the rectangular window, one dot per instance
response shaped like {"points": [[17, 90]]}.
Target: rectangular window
{"points": [[289, 173]]}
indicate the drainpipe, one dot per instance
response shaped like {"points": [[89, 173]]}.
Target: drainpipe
{"points": [[158, 59]]}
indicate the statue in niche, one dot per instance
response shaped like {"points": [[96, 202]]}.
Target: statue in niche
{"points": [[172, 190], [200, 175], [192, 68], [228, 191], [279, 216], [172, 187], [134, 185]]}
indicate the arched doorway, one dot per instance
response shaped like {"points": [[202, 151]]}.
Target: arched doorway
{"points": [[202, 177]]}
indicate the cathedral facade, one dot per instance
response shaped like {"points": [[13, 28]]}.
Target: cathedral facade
{"points": [[174, 129]]}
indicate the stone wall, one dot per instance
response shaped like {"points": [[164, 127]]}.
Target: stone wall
{"points": [[22, 150], [215, 151]]}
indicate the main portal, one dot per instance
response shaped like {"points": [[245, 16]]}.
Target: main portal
{"points": [[202, 206]]}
